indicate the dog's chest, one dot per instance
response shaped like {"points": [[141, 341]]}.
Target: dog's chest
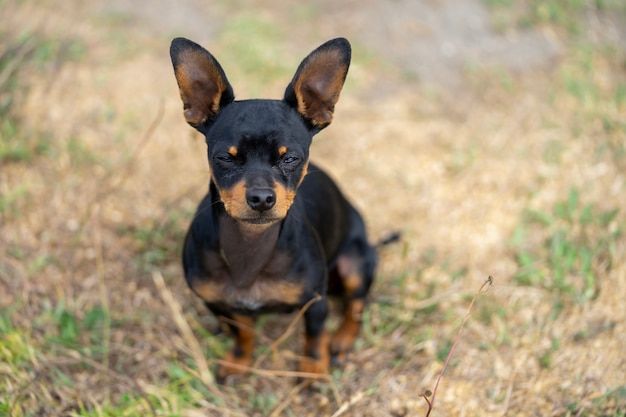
{"points": [[271, 286]]}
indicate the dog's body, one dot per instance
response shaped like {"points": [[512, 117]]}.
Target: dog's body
{"points": [[274, 233]]}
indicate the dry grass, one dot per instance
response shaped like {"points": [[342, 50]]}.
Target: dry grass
{"points": [[95, 319]]}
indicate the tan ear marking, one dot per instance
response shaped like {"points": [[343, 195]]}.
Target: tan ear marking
{"points": [[201, 81], [317, 84]]}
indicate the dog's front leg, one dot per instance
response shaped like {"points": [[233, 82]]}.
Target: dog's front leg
{"points": [[238, 360], [316, 359]]}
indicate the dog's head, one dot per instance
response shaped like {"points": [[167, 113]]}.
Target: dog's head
{"points": [[258, 150]]}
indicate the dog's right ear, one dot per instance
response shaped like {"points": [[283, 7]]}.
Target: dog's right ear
{"points": [[203, 85], [315, 88]]}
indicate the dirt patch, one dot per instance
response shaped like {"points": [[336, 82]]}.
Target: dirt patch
{"points": [[436, 41]]}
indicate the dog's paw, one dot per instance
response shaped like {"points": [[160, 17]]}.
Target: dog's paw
{"points": [[231, 366], [343, 340], [314, 366], [342, 343]]}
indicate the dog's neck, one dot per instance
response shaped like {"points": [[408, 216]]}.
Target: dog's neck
{"points": [[246, 249]]}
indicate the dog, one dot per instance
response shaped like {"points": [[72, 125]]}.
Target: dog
{"points": [[274, 233]]}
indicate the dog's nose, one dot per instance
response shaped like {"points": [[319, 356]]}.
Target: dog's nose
{"points": [[261, 199]]}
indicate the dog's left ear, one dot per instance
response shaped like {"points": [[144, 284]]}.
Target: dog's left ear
{"points": [[316, 86]]}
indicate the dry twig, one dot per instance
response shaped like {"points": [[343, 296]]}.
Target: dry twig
{"points": [[292, 325], [426, 394]]}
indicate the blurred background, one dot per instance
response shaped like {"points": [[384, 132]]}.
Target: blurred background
{"points": [[490, 133]]}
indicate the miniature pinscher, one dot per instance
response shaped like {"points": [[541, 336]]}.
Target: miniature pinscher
{"points": [[274, 233]]}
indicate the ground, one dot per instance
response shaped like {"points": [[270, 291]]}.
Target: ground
{"points": [[491, 134]]}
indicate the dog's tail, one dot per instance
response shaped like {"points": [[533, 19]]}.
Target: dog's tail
{"points": [[392, 238]]}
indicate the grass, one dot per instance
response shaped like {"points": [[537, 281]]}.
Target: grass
{"points": [[578, 247], [86, 329], [45, 369], [21, 55], [600, 105], [159, 241], [564, 15], [578, 239], [256, 56], [612, 403]]}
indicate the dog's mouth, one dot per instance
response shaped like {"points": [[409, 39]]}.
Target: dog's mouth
{"points": [[251, 217], [260, 220]]}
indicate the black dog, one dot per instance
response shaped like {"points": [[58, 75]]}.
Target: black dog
{"points": [[274, 233]]}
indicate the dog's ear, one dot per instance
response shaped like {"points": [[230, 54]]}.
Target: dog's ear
{"points": [[316, 86], [203, 85]]}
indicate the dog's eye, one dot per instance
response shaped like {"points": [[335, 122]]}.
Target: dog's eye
{"points": [[290, 159], [225, 158]]}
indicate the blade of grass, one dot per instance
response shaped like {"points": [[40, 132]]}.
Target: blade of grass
{"points": [[104, 298], [183, 326]]}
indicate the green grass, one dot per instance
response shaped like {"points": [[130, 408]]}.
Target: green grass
{"points": [[63, 348], [79, 154], [12, 200], [579, 237], [160, 241], [21, 56], [577, 247], [612, 403], [259, 59], [593, 77], [561, 13], [565, 15]]}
